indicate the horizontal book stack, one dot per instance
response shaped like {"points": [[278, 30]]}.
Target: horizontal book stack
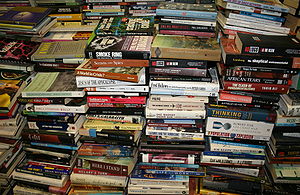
{"points": [[56, 56], [54, 109], [292, 18], [244, 117], [283, 156], [26, 23], [255, 17], [187, 19], [95, 9], [11, 125]]}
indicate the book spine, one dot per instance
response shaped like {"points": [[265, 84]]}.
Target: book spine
{"points": [[116, 118], [123, 55], [234, 155], [190, 33], [277, 8], [200, 126], [257, 20], [107, 75], [223, 96], [190, 136], [107, 99], [166, 98], [178, 63], [256, 87], [47, 138], [238, 7], [240, 114], [264, 69], [101, 166], [161, 114], [112, 126], [96, 180], [114, 105], [94, 133], [44, 174], [263, 16], [180, 78], [259, 80], [92, 172], [55, 108], [183, 92], [172, 172], [273, 50], [241, 73], [152, 158], [232, 162], [192, 14], [228, 103], [177, 85], [117, 111], [94, 152], [179, 105], [178, 71], [66, 10], [166, 26], [262, 61], [152, 150]]}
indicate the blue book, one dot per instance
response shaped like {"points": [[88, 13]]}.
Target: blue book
{"points": [[263, 16]]}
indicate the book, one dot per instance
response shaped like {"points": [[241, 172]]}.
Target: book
{"points": [[120, 26], [9, 91], [99, 125], [25, 15], [267, 45], [53, 84], [124, 47], [59, 49], [12, 50], [185, 47], [204, 11]]}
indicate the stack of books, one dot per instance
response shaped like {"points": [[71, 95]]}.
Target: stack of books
{"points": [[95, 9], [187, 19], [54, 108], [292, 18], [26, 22], [255, 17], [252, 80], [57, 56], [283, 149], [142, 7], [11, 124]]}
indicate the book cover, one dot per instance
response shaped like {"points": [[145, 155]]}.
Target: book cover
{"points": [[124, 47], [267, 45], [9, 91], [185, 47], [25, 15], [60, 49], [53, 84], [119, 26], [19, 50]]}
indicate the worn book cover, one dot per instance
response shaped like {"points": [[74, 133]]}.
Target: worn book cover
{"points": [[116, 47], [25, 15], [60, 49], [53, 84], [119, 26], [11, 49], [185, 47]]}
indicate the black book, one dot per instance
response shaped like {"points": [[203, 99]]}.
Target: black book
{"points": [[267, 45], [117, 111], [116, 47]]}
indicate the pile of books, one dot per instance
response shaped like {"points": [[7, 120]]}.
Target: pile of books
{"points": [[292, 18], [187, 19], [251, 17], [54, 108], [28, 22]]}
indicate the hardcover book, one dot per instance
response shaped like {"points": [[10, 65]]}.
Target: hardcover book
{"points": [[53, 84], [267, 45], [185, 47], [25, 15], [124, 47], [119, 26]]}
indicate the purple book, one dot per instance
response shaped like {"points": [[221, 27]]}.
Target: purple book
{"points": [[25, 15]]}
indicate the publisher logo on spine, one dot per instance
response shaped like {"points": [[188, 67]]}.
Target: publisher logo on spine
{"points": [[219, 125]]}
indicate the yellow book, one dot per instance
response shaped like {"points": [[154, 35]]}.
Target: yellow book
{"points": [[2, 25], [67, 17]]}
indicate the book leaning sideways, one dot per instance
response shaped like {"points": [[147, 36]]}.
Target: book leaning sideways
{"points": [[53, 84]]}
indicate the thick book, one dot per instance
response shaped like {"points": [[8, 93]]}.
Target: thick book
{"points": [[120, 26], [185, 47], [231, 55], [25, 15], [53, 84], [116, 47], [9, 91], [267, 45], [59, 49]]}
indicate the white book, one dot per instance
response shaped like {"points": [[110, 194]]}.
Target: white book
{"points": [[178, 114]]}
